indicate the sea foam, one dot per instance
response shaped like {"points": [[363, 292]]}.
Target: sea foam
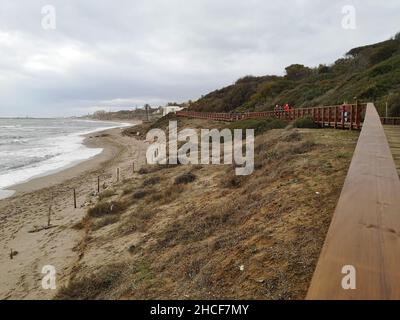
{"points": [[47, 155]]}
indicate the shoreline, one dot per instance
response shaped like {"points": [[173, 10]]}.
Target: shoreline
{"points": [[59, 175], [24, 215], [52, 178]]}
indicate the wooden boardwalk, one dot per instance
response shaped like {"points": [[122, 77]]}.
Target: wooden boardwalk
{"points": [[393, 137], [364, 234]]}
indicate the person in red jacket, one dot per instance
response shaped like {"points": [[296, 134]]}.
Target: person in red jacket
{"points": [[286, 108]]}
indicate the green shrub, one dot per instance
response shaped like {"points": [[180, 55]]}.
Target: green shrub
{"points": [[394, 103], [143, 171], [151, 181], [140, 194], [395, 110], [305, 123], [385, 52], [233, 181], [297, 72], [185, 178], [259, 125]]}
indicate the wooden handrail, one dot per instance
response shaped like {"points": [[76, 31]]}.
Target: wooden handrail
{"points": [[390, 120], [365, 228]]}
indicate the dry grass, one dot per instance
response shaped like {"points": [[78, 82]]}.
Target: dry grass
{"points": [[223, 236], [105, 221], [107, 194], [106, 208], [95, 285]]}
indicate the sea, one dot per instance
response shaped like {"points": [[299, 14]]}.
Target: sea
{"points": [[30, 148]]}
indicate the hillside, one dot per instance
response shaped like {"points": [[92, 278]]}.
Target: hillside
{"points": [[164, 233], [370, 73]]}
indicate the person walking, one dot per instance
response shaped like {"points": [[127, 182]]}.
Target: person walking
{"points": [[286, 108]]}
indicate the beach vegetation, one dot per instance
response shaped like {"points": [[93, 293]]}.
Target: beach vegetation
{"points": [[106, 208], [306, 122], [185, 178]]}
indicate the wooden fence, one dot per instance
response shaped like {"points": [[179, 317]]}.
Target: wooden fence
{"points": [[348, 116]]}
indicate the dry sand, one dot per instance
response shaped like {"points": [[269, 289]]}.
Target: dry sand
{"points": [[28, 209]]}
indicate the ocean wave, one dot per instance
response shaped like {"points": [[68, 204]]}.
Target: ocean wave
{"points": [[11, 137], [32, 161], [42, 156]]}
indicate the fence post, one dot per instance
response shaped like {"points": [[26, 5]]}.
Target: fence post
{"points": [[323, 117], [336, 116], [74, 198], [329, 117], [49, 216], [351, 117], [343, 117], [98, 184]]}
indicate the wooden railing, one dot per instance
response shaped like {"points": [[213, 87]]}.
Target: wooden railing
{"points": [[365, 229], [395, 121], [348, 116]]}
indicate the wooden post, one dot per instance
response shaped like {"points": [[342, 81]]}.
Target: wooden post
{"points": [[74, 198], [323, 117], [49, 217], [386, 113], [336, 117], [98, 184], [343, 117], [351, 117], [117, 174], [329, 117]]}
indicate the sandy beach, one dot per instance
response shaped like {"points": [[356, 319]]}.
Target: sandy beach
{"points": [[27, 211]]}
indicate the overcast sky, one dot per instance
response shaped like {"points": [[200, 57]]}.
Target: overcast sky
{"points": [[105, 54]]}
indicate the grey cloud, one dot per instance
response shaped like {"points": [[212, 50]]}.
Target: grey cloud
{"points": [[125, 53]]}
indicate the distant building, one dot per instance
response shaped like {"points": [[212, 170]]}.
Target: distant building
{"points": [[158, 111], [171, 109]]}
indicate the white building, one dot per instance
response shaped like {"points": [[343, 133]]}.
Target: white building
{"points": [[170, 109]]}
